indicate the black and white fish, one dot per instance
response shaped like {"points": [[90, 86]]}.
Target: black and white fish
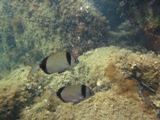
{"points": [[74, 93], [55, 63]]}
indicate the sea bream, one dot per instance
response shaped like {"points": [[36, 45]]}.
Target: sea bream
{"points": [[55, 63], [73, 93]]}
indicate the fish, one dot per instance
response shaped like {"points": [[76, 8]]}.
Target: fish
{"points": [[55, 63], [74, 93]]}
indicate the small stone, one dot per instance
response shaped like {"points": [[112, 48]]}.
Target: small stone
{"points": [[87, 6], [99, 83], [81, 8], [39, 87]]}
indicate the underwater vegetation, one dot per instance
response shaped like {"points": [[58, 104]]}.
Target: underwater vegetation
{"points": [[145, 15], [141, 72]]}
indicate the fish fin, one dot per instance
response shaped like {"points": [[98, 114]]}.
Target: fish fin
{"points": [[34, 69], [52, 95]]}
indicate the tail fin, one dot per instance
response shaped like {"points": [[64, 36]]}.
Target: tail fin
{"points": [[34, 68], [52, 95]]}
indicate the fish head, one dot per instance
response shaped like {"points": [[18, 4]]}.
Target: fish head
{"points": [[89, 92], [74, 61], [52, 95], [73, 50]]}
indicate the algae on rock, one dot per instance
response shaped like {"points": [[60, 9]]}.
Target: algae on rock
{"points": [[108, 71]]}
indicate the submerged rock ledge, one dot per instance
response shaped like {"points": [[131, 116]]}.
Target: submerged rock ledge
{"points": [[108, 71]]}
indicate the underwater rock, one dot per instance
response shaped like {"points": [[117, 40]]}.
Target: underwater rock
{"points": [[108, 71]]}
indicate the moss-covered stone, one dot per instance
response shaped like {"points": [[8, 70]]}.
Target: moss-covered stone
{"points": [[108, 71]]}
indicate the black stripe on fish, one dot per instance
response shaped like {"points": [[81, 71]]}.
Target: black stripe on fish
{"points": [[83, 90], [68, 56], [43, 65], [59, 93]]}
